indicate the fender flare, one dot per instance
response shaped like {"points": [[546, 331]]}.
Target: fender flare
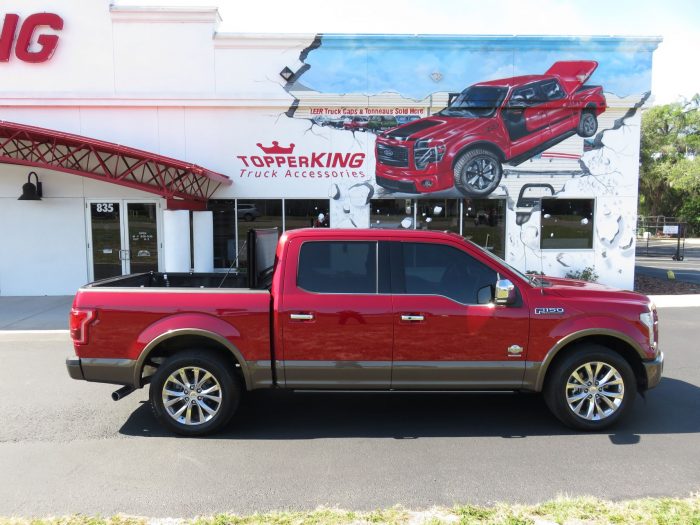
{"points": [[485, 144], [172, 334], [536, 372]]}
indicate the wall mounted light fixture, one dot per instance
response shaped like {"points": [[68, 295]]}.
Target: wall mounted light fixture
{"points": [[30, 192]]}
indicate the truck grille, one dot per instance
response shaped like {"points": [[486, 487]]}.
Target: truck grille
{"points": [[392, 155]]}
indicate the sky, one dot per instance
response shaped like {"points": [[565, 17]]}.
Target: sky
{"points": [[675, 74]]}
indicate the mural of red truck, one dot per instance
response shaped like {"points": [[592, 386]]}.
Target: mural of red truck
{"points": [[489, 124]]}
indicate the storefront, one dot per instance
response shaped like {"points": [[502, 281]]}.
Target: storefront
{"points": [[159, 141]]}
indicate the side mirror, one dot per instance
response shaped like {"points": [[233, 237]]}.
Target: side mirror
{"points": [[505, 292], [517, 104]]}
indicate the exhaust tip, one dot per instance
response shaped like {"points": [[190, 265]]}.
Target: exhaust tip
{"points": [[122, 392]]}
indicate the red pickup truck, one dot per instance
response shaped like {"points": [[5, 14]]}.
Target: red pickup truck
{"points": [[364, 310], [488, 124]]}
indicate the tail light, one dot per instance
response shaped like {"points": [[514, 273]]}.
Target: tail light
{"points": [[79, 321]]}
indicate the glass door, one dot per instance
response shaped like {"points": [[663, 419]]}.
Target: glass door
{"points": [[106, 240], [123, 238], [142, 232]]}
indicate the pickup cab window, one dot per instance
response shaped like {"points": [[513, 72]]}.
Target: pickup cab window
{"points": [[437, 269], [338, 267]]}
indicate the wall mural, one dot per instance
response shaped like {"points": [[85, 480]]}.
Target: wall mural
{"points": [[516, 119]]}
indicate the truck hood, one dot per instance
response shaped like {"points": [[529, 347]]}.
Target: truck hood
{"points": [[573, 288], [439, 128]]}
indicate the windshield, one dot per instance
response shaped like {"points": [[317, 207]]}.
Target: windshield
{"points": [[527, 278], [476, 102]]}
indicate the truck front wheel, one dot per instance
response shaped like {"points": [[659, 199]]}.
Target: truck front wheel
{"points": [[194, 393], [591, 388], [477, 173]]}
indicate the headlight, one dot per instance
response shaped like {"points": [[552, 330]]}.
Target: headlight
{"points": [[427, 151], [648, 320]]}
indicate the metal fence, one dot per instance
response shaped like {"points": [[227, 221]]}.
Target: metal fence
{"points": [[661, 237]]}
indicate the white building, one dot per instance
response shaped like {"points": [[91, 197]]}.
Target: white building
{"points": [[159, 141]]}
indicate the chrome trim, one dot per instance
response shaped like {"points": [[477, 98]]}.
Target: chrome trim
{"points": [[413, 318], [515, 350], [505, 292]]}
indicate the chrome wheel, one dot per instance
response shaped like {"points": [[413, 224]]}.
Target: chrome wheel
{"points": [[191, 395], [480, 173], [595, 391], [589, 124]]}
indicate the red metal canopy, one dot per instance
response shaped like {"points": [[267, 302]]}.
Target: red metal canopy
{"points": [[185, 185]]}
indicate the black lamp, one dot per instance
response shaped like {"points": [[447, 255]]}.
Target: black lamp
{"points": [[30, 192]]}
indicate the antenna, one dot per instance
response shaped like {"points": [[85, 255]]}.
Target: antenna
{"points": [[235, 262]]}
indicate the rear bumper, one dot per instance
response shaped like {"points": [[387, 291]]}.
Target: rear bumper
{"points": [[98, 370], [654, 369]]}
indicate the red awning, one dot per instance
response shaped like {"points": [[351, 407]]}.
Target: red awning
{"points": [[172, 179]]}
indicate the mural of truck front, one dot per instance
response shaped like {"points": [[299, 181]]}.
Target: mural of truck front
{"points": [[487, 125]]}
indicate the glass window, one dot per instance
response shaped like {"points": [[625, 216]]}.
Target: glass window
{"points": [[306, 213], [255, 213], [484, 224], [567, 223], [552, 90], [391, 213], [224, 218], [338, 267], [435, 269], [442, 214]]}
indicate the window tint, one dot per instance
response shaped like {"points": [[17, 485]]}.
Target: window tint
{"points": [[552, 90], [530, 95], [338, 267], [567, 223], [434, 269]]}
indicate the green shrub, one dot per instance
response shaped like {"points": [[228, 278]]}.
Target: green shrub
{"points": [[587, 274]]}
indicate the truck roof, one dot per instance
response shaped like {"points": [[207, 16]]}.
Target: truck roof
{"points": [[514, 81], [368, 233]]}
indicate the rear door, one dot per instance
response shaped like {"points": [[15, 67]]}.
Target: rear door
{"points": [[336, 315], [447, 333]]}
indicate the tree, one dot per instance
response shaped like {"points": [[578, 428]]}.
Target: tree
{"points": [[669, 181]]}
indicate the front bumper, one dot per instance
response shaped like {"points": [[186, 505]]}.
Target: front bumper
{"points": [[100, 370], [654, 369]]}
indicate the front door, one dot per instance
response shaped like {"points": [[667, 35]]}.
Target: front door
{"points": [[123, 237], [447, 334], [336, 325]]}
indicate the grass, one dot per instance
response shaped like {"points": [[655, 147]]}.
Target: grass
{"points": [[565, 511]]}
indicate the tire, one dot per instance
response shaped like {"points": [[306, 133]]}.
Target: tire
{"points": [[576, 407], [477, 173], [587, 124], [210, 415]]}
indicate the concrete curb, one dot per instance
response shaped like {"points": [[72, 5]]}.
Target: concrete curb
{"points": [[676, 301]]}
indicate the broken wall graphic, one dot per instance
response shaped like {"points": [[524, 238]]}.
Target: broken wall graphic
{"points": [[450, 117]]}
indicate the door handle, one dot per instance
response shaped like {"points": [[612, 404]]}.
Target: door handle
{"points": [[301, 317], [412, 318]]}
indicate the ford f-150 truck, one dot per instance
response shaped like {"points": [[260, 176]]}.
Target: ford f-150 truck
{"points": [[488, 124], [364, 310]]}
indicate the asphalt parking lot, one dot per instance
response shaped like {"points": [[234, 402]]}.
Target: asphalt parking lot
{"points": [[66, 448]]}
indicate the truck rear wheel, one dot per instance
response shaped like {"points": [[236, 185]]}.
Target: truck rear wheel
{"points": [[590, 389], [587, 124], [194, 393], [477, 173]]}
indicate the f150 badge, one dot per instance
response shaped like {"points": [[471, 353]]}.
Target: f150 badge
{"points": [[548, 311]]}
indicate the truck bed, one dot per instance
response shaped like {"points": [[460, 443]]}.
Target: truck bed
{"points": [[236, 279]]}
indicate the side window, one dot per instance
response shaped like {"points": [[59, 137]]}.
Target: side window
{"points": [[528, 95], [552, 90], [435, 269], [338, 267]]}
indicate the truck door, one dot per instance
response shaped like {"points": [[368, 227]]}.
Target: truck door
{"points": [[335, 316], [447, 334]]}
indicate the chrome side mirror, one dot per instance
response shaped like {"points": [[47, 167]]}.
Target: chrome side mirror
{"points": [[505, 292]]}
